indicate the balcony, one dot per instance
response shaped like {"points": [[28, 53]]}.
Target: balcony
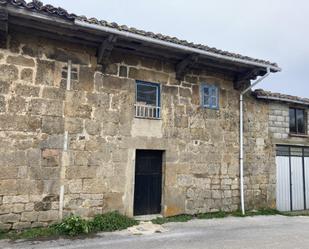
{"points": [[143, 110]]}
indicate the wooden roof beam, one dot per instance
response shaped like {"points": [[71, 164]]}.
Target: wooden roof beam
{"points": [[105, 50], [183, 66]]}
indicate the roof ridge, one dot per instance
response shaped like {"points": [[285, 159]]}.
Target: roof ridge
{"points": [[38, 6]]}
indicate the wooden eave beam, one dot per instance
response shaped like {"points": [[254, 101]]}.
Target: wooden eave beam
{"points": [[105, 50], [183, 66], [244, 78]]}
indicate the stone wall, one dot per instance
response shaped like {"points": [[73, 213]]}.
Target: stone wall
{"points": [[85, 137], [279, 126]]}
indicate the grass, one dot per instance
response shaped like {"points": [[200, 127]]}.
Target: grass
{"points": [[178, 218], [30, 234], [216, 215], [73, 226]]}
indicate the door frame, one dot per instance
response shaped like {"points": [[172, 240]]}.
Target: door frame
{"points": [[288, 153], [130, 186]]}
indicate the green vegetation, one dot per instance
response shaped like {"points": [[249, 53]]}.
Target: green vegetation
{"points": [[213, 215], [216, 215], [30, 233], [113, 221], [75, 225]]}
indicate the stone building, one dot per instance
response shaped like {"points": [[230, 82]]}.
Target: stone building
{"points": [[97, 117]]}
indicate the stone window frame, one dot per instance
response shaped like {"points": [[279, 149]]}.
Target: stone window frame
{"points": [[202, 93], [145, 111], [305, 121]]}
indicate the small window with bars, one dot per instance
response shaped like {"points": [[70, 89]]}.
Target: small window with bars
{"points": [[210, 96], [147, 103]]}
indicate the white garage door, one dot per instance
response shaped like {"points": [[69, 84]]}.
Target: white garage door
{"points": [[292, 178]]}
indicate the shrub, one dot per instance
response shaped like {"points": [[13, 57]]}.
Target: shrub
{"points": [[73, 226], [112, 221]]}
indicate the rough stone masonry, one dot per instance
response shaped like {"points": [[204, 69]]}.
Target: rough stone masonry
{"points": [[201, 146]]}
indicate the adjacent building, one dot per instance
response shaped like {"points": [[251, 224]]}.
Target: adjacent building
{"points": [[96, 117]]}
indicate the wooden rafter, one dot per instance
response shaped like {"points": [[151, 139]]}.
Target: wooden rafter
{"points": [[105, 50], [244, 78], [183, 66]]}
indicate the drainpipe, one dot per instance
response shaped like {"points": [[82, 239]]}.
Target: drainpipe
{"points": [[241, 138]]}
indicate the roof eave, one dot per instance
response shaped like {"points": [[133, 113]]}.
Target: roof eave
{"points": [[282, 100], [82, 25], [180, 47]]}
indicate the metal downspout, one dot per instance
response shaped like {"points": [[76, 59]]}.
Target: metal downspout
{"points": [[241, 138]]}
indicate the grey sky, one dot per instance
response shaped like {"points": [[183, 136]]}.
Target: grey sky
{"points": [[276, 30]]}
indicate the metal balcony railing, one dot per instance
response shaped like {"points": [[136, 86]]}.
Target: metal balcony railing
{"points": [[147, 111]]}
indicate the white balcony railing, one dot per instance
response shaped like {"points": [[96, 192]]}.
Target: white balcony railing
{"points": [[147, 111]]}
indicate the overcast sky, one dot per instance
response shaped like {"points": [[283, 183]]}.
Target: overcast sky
{"points": [[275, 30]]}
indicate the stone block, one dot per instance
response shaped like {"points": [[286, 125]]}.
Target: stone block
{"points": [[86, 79], [46, 107], [5, 209], [18, 208], [107, 82], [151, 63], [21, 225], [4, 87], [147, 75], [8, 172], [112, 69], [72, 109], [15, 199], [53, 142], [8, 72], [53, 125], [45, 73], [26, 75], [17, 104], [27, 91], [2, 104], [94, 186], [73, 125], [12, 218], [5, 227], [81, 172], [75, 186], [29, 206], [93, 127], [46, 216], [20, 61], [53, 93], [51, 158], [185, 92], [123, 71]]}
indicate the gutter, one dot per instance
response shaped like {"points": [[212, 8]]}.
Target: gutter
{"points": [[241, 139]]}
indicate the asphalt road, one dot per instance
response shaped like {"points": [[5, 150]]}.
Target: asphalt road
{"points": [[269, 232]]}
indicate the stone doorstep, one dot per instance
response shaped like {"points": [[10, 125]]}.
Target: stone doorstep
{"points": [[148, 217]]}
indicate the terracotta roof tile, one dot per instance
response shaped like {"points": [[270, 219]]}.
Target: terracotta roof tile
{"points": [[38, 6], [262, 94]]}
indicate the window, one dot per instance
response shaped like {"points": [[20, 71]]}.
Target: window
{"points": [[297, 121], [147, 100], [210, 96]]}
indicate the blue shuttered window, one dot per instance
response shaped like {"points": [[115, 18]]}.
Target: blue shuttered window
{"points": [[210, 96]]}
